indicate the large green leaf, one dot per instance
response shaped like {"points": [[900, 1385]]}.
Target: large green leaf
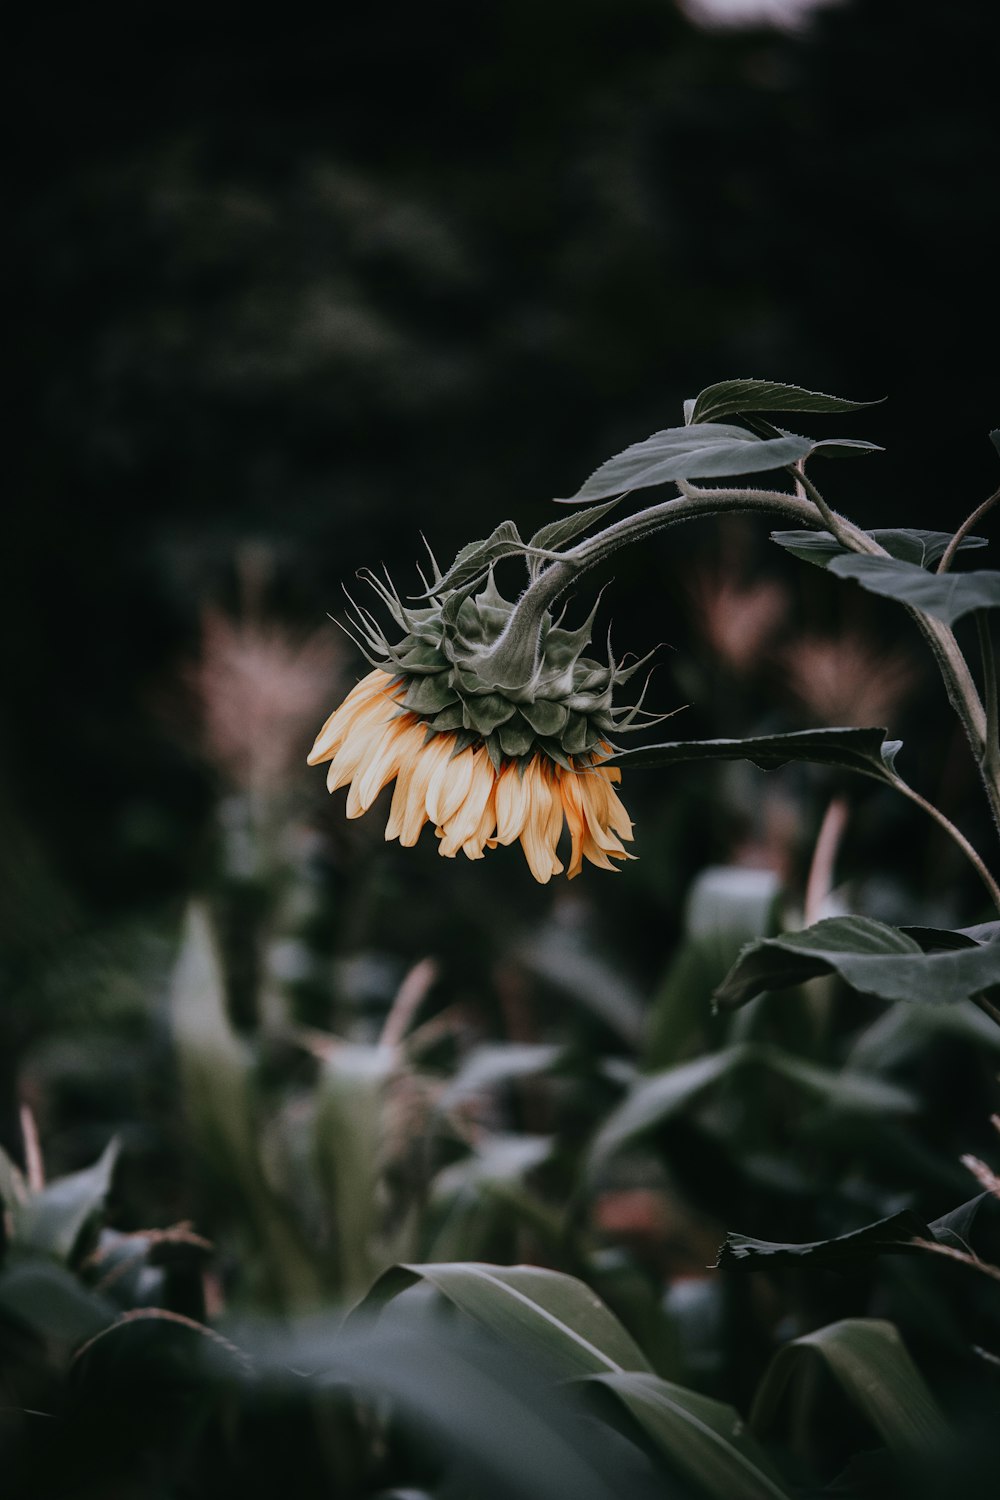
{"points": [[870, 1362], [711, 450], [51, 1222], [562, 1326], [907, 544], [863, 750], [731, 397], [947, 596], [500, 1426], [554, 1317], [870, 956], [706, 1439], [661, 1096]]}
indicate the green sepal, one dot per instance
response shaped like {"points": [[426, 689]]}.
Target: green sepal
{"points": [[486, 712], [429, 695], [545, 716], [449, 718], [495, 752], [516, 737], [576, 737]]}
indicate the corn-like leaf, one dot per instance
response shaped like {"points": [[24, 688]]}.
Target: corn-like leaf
{"points": [[871, 1364], [350, 1129], [660, 1097], [706, 1439], [554, 1317], [51, 1222]]}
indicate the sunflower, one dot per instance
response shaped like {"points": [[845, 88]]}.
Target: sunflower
{"points": [[474, 797]]}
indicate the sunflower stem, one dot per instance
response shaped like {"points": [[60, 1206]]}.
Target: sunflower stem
{"points": [[953, 833], [948, 556]]}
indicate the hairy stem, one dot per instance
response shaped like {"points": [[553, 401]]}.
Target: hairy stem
{"points": [[848, 535], [810, 510], [953, 833], [991, 747], [963, 531]]}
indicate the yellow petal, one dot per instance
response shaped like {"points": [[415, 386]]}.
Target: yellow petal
{"points": [[513, 801], [537, 838], [359, 700], [464, 822], [449, 785]]}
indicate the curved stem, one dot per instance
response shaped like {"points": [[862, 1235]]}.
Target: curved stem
{"points": [[953, 833], [990, 763], [553, 580], [811, 510], [963, 531], [848, 535]]}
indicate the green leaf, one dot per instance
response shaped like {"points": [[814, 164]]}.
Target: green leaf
{"points": [[52, 1221], [563, 958], [50, 1301], [496, 1425], [496, 1063], [743, 1252], [863, 750], [950, 939], [706, 1439], [845, 448], [659, 1097], [869, 956], [216, 1069], [732, 397], [890, 1236], [552, 536], [704, 452], [554, 1318], [726, 908], [902, 1032], [13, 1188], [350, 1131], [496, 1159], [947, 596], [955, 1228], [215, 1063], [870, 1363], [908, 544], [476, 558]]}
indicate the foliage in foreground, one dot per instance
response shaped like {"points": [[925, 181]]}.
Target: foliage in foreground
{"points": [[513, 1223]]}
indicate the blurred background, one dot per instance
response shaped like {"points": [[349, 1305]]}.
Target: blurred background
{"points": [[288, 296]]}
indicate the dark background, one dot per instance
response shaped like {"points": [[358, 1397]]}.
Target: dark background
{"points": [[322, 285]]}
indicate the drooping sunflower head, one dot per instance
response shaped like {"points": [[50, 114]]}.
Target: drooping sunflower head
{"points": [[493, 724]]}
